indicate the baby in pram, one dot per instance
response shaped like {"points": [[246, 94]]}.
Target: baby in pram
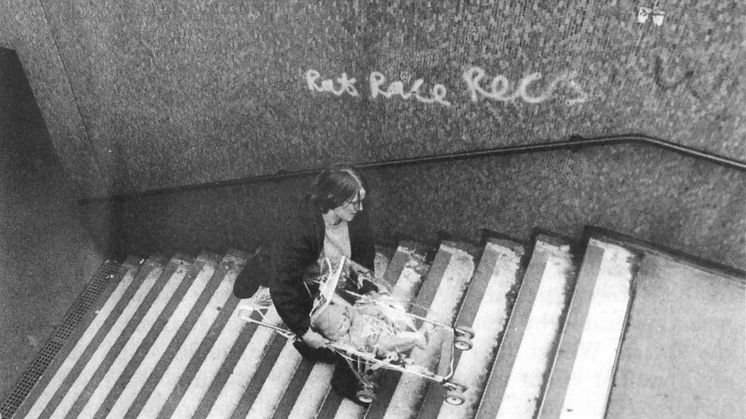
{"points": [[368, 327]]}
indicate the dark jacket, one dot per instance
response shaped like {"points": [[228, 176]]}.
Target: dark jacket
{"points": [[299, 250]]}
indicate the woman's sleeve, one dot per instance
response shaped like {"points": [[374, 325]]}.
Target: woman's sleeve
{"points": [[289, 294], [363, 248]]}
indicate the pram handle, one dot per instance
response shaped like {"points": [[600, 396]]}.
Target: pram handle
{"points": [[244, 313]]}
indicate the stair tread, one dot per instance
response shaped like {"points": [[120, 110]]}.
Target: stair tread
{"points": [[592, 332], [533, 329], [446, 283], [165, 337], [43, 367], [409, 268], [486, 309]]}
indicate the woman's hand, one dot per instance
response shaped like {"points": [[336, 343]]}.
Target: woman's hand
{"points": [[314, 340]]}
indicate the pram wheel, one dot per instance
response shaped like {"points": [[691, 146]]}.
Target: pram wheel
{"points": [[462, 343], [454, 393], [366, 395], [465, 331], [455, 397], [451, 386]]}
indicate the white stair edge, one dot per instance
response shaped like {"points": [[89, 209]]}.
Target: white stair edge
{"points": [[128, 351], [189, 346], [270, 395], [593, 369], [134, 386], [59, 377], [523, 389], [473, 367], [444, 308], [405, 290], [98, 356], [231, 393]]}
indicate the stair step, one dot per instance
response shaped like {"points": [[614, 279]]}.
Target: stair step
{"points": [[272, 390], [136, 339], [191, 363], [127, 388], [581, 377], [245, 368], [100, 336], [446, 284], [285, 370], [111, 340], [161, 337], [406, 272], [382, 259], [682, 353], [486, 310], [528, 347], [99, 290]]}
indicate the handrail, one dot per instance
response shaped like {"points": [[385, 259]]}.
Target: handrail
{"points": [[575, 143]]}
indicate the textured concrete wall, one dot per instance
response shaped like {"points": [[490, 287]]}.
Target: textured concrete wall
{"points": [[155, 94], [46, 256], [6, 30], [174, 93], [658, 196], [28, 32]]}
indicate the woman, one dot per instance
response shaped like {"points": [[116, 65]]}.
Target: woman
{"points": [[330, 223]]}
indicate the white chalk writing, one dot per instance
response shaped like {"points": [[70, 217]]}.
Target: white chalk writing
{"points": [[499, 87], [346, 85], [478, 86], [396, 88]]}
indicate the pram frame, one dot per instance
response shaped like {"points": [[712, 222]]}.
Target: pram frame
{"points": [[353, 356]]}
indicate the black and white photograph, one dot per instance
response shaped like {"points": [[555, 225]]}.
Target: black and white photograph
{"points": [[348, 209]]}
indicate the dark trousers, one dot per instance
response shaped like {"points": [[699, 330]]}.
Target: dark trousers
{"points": [[258, 271]]}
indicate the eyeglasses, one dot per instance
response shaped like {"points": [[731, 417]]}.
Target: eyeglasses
{"points": [[356, 204]]}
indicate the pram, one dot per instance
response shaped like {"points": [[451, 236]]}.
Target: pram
{"points": [[350, 284]]}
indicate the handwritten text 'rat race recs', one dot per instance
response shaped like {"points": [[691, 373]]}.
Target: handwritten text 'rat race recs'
{"points": [[479, 86]]}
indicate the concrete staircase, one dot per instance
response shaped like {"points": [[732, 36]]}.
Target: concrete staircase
{"points": [[561, 331]]}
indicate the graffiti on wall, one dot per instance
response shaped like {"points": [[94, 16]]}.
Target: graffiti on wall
{"points": [[479, 86], [500, 87], [343, 84], [437, 93]]}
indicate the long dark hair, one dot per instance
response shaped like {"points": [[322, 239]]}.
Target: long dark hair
{"points": [[336, 185]]}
